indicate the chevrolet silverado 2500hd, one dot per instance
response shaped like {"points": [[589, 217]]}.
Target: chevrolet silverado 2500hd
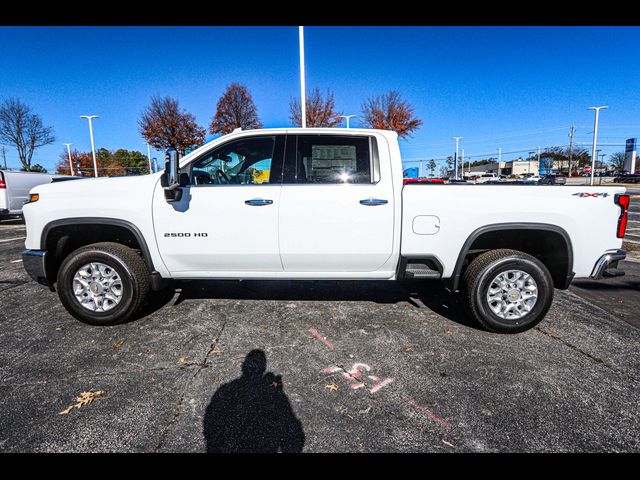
{"points": [[317, 204]]}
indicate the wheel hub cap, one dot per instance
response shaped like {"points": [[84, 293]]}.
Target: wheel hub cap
{"points": [[512, 294], [97, 287]]}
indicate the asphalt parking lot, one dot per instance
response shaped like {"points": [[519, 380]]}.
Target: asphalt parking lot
{"points": [[313, 367]]}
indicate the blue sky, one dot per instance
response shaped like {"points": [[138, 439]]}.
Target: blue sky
{"points": [[509, 87]]}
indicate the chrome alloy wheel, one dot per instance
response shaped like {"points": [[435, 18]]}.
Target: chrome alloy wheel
{"points": [[512, 294], [97, 287]]}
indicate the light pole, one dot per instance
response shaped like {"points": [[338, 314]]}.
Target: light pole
{"points": [[93, 149], [462, 165], [69, 152], [347, 117], [455, 160], [595, 136], [538, 160], [303, 99], [149, 156]]}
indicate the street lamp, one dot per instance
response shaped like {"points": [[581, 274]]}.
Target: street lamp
{"points": [[455, 162], [303, 99], [93, 149], [595, 136], [347, 117], [149, 156], [69, 152]]}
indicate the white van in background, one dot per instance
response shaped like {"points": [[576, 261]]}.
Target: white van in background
{"points": [[14, 189]]}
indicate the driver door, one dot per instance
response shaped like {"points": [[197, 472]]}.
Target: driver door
{"points": [[226, 223]]}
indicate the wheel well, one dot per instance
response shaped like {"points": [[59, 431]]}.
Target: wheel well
{"points": [[549, 245], [60, 240]]}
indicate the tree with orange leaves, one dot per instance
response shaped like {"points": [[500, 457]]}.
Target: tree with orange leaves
{"points": [[390, 112], [235, 109], [320, 111], [164, 125]]}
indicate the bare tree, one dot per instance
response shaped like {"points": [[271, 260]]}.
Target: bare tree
{"points": [[390, 112], [164, 125], [23, 129], [235, 109], [320, 112], [617, 160]]}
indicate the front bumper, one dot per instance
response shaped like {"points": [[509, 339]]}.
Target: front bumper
{"points": [[607, 265], [34, 264]]}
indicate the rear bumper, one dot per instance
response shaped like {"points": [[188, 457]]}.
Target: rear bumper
{"points": [[607, 265], [34, 264]]}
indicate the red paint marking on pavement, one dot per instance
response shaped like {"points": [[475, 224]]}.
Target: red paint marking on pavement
{"points": [[357, 385], [374, 378], [430, 414], [377, 387], [331, 369], [314, 332]]}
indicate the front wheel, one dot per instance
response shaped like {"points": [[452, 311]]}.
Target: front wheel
{"points": [[508, 291], [103, 283]]}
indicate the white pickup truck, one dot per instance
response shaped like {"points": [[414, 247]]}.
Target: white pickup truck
{"points": [[317, 204]]}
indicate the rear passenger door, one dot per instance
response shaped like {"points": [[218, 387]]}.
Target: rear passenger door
{"points": [[336, 208]]}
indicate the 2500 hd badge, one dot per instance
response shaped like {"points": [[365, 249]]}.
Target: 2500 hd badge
{"points": [[185, 234]]}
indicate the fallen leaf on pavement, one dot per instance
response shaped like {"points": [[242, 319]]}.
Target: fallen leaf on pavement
{"points": [[331, 386], [448, 333], [85, 398], [118, 345], [182, 359], [408, 349], [216, 351]]}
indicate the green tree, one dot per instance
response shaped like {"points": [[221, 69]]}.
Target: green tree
{"points": [[132, 161], [431, 166], [35, 168]]}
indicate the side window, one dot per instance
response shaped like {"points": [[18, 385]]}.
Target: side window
{"points": [[328, 159], [246, 161]]}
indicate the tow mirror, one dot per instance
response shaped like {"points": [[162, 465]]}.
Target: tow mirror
{"points": [[171, 179]]}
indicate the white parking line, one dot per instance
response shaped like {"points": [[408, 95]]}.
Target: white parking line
{"points": [[12, 239]]}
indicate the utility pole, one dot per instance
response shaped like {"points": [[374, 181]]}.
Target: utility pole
{"points": [[462, 165], [595, 137], [539, 161], [571, 147], [69, 152], [4, 156], [303, 97], [149, 157], [455, 160], [93, 148]]}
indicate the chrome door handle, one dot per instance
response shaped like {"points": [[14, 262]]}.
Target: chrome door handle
{"points": [[373, 201], [258, 202]]}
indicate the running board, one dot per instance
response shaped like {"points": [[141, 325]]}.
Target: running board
{"points": [[419, 268]]}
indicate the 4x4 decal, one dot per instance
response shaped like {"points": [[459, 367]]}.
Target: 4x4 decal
{"points": [[587, 194]]}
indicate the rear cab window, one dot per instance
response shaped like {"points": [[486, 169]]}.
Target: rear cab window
{"points": [[331, 159]]}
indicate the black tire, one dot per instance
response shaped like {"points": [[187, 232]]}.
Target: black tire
{"points": [[481, 272], [129, 266]]}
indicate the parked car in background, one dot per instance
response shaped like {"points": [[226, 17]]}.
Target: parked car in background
{"points": [[553, 179], [14, 189], [487, 177]]}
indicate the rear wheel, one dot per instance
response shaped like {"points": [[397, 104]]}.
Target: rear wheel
{"points": [[103, 283], [508, 291]]}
